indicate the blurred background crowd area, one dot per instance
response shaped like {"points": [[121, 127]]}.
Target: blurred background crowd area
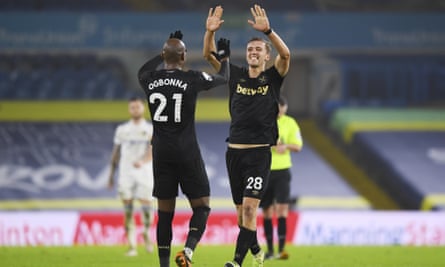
{"points": [[196, 5], [366, 84]]}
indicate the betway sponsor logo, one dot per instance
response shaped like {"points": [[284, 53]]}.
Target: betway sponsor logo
{"points": [[378, 228]]}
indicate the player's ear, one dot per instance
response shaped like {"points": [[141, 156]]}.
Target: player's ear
{"points": [[182, 56]]}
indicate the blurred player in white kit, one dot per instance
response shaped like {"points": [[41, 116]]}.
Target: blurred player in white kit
{"points": [[132, 154]]}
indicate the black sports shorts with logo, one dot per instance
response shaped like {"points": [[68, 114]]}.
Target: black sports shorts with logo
{"points": [[278, 189], [248, 172], [190, 175]]}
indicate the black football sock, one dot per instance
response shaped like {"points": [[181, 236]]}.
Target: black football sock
{"points": [[255, 247], [164, 262], [268, 231], [164, 236], [243, 244], [197, 226], [282, 229]]}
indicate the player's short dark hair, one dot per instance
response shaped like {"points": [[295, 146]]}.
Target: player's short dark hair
{"points": [[282, 101], [136, 98], [267, 43]]}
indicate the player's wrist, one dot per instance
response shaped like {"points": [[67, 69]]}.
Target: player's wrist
{"points": [[268, 31]]}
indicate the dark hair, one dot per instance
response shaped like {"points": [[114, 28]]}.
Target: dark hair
{"points": [[136, 98], [282, 101], [267, 43]]}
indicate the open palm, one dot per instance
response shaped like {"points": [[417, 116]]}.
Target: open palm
{"points": [[261, 22], [214, 20]]}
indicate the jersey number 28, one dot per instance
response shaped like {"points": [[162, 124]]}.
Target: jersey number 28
{"points": [[158, 115]]}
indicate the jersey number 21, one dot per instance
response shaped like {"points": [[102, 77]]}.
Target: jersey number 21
{"points": [[158, 115]]}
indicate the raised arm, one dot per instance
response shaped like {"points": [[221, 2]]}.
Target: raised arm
{"points": [[220, 78], [223, 74], [149, 66], [147, 157], [261, 23], [213, 24]]}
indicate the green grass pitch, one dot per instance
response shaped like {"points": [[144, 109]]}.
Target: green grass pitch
{"points": [[215, 256]]}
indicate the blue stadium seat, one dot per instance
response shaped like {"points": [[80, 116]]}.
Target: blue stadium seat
{"points": [[82, 149], [389, 81], [47, 76], [402, 164]]}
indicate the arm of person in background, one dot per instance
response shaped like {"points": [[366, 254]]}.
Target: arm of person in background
{"points": [[213, 24], [282, 147], [294, 141], [261, 23], [115, 156], [148, 156], [149, 66]]}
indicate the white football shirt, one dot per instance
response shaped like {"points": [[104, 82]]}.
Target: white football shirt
{"points": [[134, 140]]}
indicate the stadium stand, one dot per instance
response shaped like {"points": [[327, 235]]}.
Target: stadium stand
{"points": [[401, 149], [48, 76], [232, 5], [410, 165], [66, 5], [311, 5], [349, 121], [43, 165], [388, 81]]}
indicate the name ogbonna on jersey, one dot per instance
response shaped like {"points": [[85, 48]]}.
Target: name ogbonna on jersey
{"points": [[167, 82]]}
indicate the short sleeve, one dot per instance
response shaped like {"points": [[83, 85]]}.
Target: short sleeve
{"points": [[276, 78], [118, 136], [150, 130]]}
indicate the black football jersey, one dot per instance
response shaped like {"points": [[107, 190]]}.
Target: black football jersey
{"points": [[254, 106], [171, 96]]}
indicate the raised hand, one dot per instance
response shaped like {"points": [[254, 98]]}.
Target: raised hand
{"points": [[261, 22], [176, 34], [214, 20]]}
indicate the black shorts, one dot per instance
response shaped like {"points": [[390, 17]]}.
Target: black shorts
{"points": [[278, 189], [248, 172], [190, 175]]}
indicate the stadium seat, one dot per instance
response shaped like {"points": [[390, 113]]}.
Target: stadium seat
{"points": [[48, 76], [388, 81], [394, 145], [401, 163], [80, 150]]}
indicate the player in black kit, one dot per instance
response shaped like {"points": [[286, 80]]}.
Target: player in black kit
{"points": [[254, 93], [172, 94]]}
